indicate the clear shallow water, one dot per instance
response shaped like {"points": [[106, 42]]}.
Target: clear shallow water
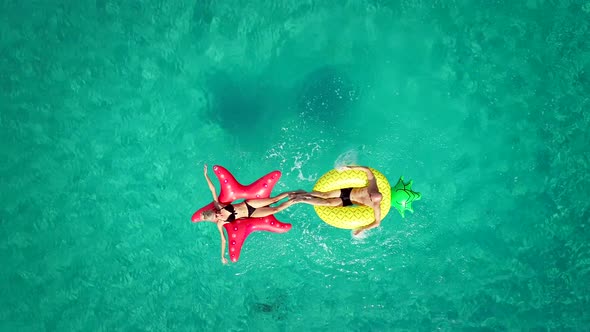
{"points": [[109, 109]]}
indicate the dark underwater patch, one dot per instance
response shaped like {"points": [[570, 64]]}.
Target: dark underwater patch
{"points": [[327, 94], [234, 104], [276, 306], [202, 13], [200, 22]]}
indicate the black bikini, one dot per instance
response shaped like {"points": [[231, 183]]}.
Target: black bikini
{"points": [[250, 209], [230, 208], [345, 196]]}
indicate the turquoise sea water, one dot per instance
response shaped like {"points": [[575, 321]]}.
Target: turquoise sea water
{"points": [[109, 109]]}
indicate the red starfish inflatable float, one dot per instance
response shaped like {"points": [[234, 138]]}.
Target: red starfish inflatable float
{"points": [[239, 229]]}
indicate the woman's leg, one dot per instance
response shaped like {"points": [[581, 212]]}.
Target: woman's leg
{"points": [[319, 201], [321, 194], [262, 202], [267, 210]]}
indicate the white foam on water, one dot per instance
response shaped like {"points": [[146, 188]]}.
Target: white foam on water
{"points": [[294, 153], [301, 158], [349, 157]]}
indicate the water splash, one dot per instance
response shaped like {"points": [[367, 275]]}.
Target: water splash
{"points": [[349, 157], [293, 154]]}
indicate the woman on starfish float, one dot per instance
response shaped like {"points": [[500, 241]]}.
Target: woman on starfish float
{"points": [[250, 208], [368, 195]]}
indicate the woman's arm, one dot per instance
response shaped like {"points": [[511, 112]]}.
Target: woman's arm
{"points": [[211, 187], [220, 228]]}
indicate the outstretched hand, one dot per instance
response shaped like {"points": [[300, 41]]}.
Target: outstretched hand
{"points": [[296, 193], [343, 168], [223, 260], [358, 232], [205, 169]]}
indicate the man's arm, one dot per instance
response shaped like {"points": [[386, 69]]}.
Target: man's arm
{"points": [[374, 224], [367, 170], [371, 180]]}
